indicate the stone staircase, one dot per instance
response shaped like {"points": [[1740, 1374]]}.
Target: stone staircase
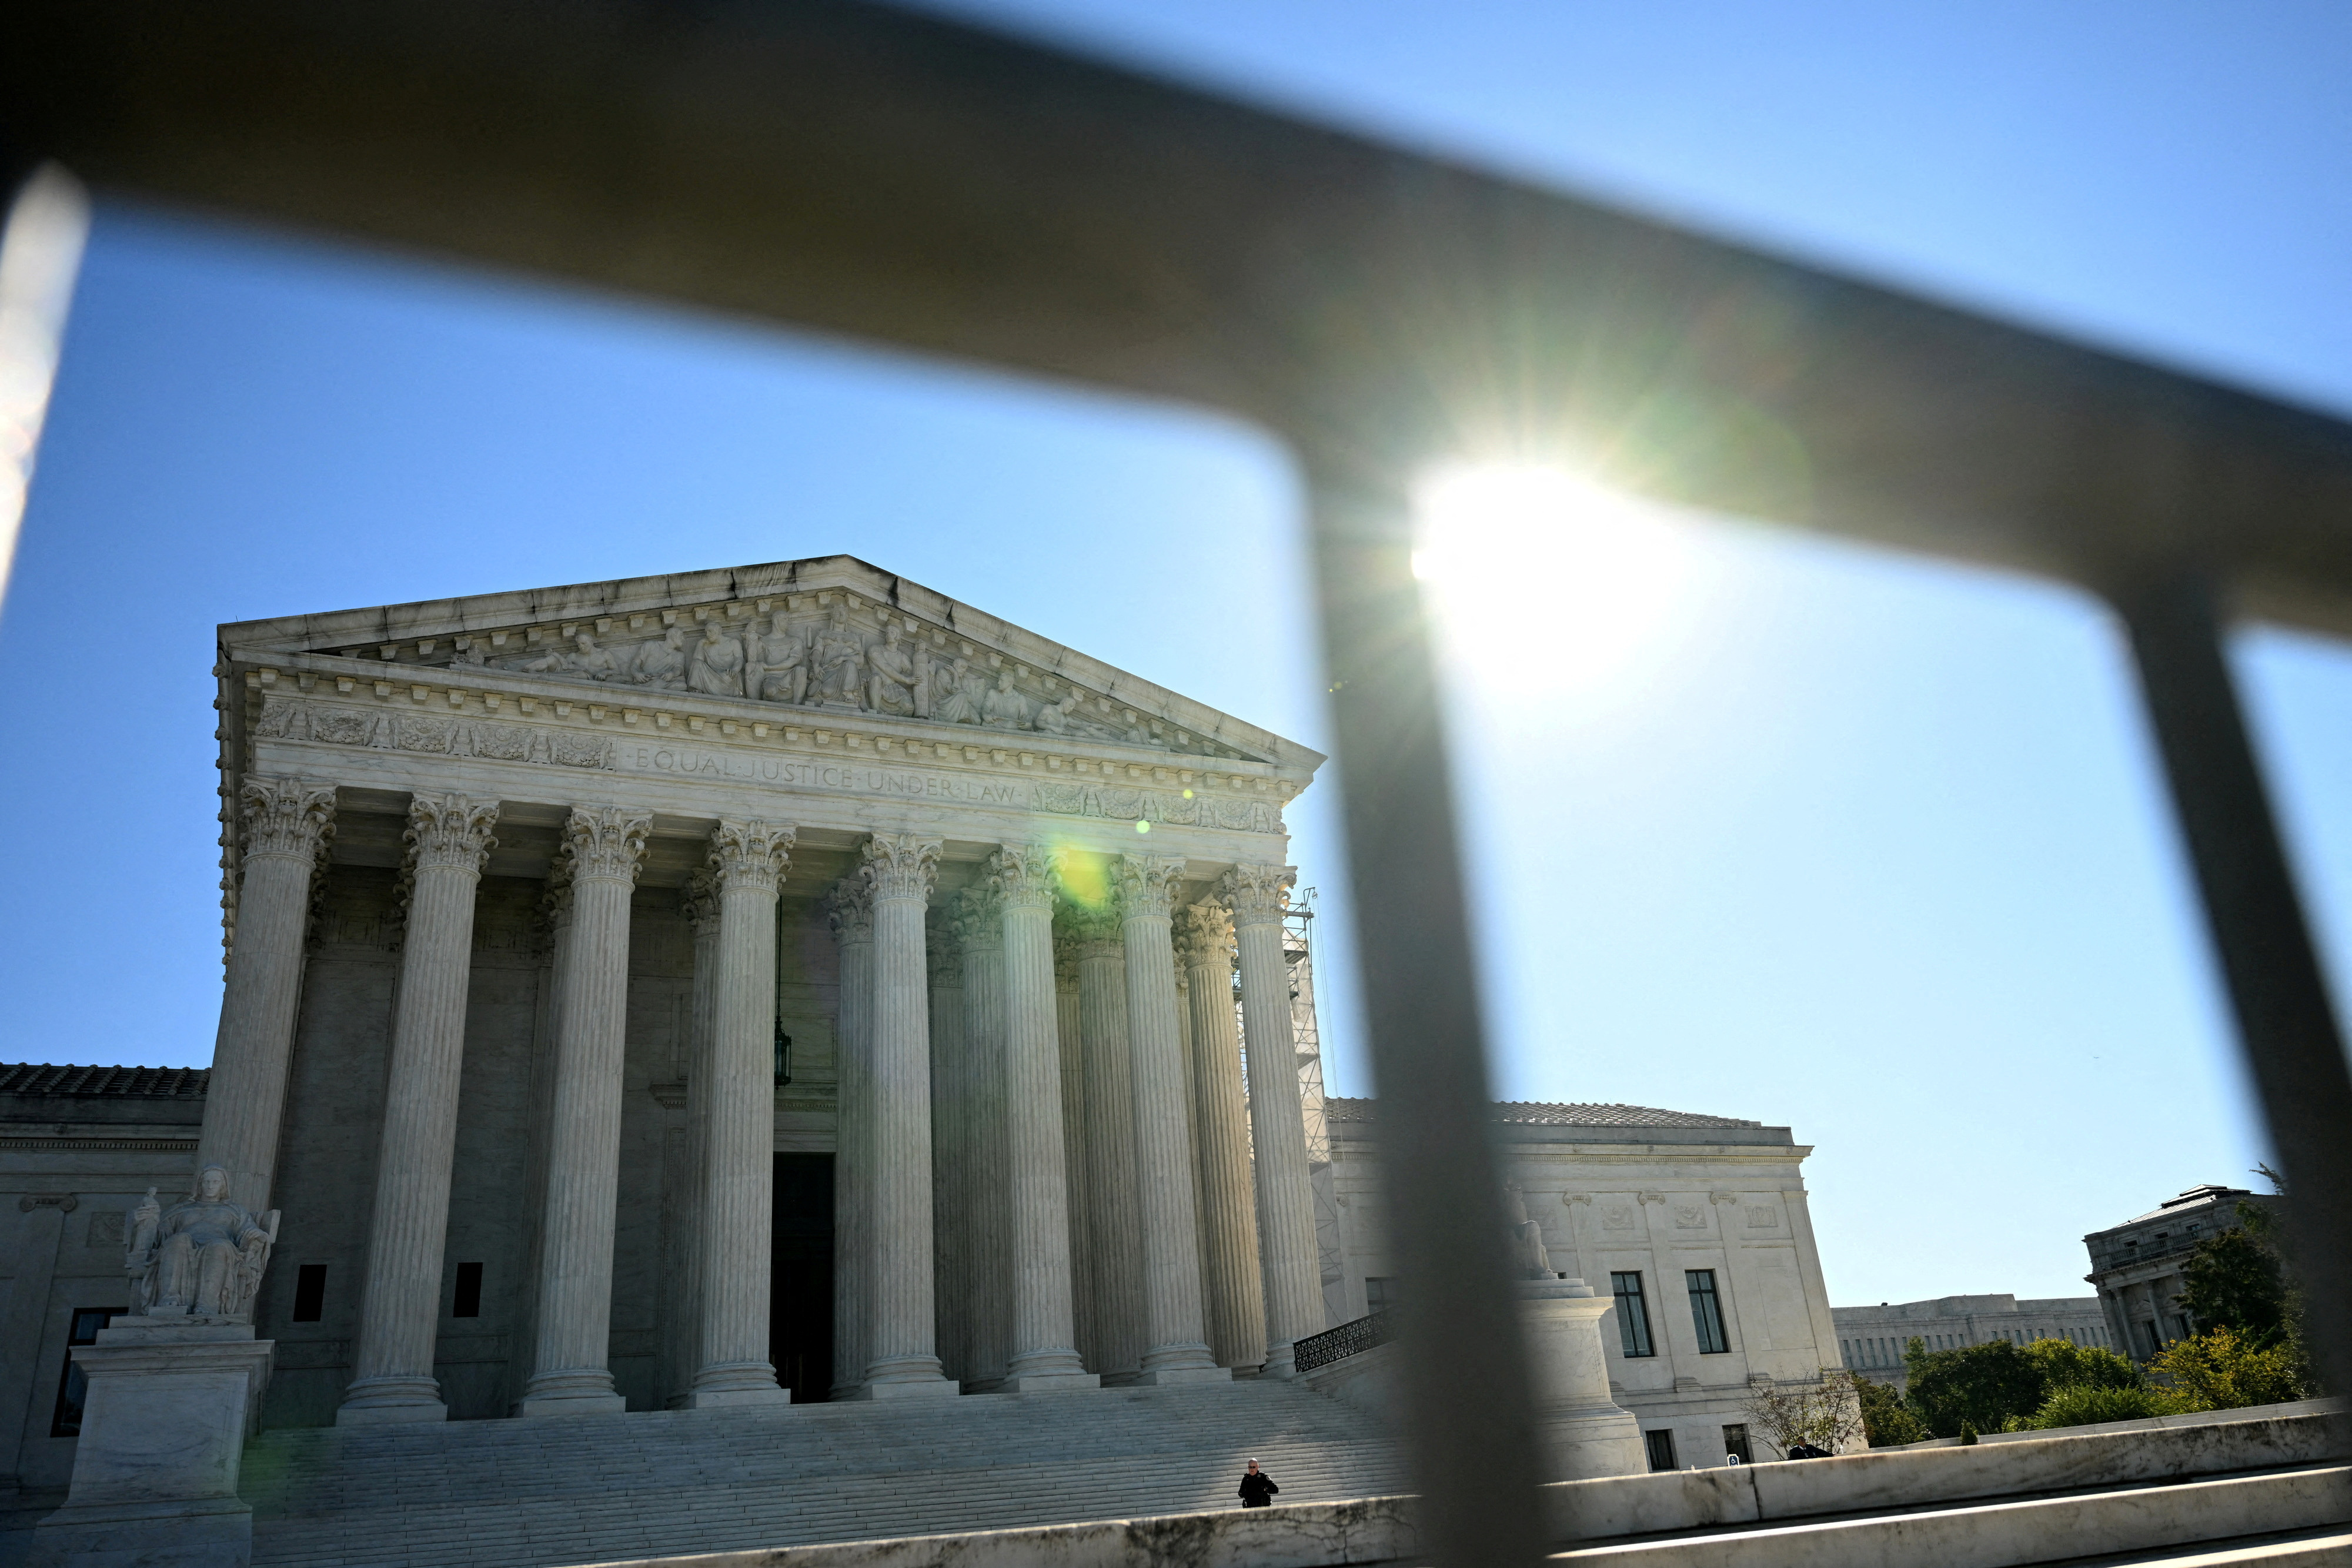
{"points": [[519, 1494]]}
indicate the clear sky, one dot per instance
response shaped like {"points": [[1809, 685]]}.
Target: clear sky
{"points": [[1763, 826]]}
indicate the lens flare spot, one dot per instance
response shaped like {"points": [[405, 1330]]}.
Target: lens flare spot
{"points": [[1142, 827]]}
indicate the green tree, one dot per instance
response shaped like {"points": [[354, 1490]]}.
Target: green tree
{"points": [[1887, 1421], [2236, 1281], [2086, 1403], [2068, 1365], [1979, 1387], [2224, 1370]]}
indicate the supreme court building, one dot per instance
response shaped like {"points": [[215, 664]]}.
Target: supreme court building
{"points": [[641, 990]]}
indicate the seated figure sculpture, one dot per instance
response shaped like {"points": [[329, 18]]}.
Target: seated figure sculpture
{"points": [[201, 1257], [1530, 1259]]}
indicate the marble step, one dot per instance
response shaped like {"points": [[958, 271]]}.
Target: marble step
{"points": [[675, 1482]]}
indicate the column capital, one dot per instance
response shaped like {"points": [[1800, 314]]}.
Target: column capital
{"points": [[979, 918], [1204, 936], [1023, 875], [750, 855], [850, 909], [1095, 932], [290, 817], [606, 844], [1147, 885], [942, 956], [699, 901], [449, 832], [555, 900], [901, 865], [1257, 895]]}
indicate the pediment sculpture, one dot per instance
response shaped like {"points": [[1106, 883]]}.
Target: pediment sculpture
{"points": [[829, 661], [201, 1257]]}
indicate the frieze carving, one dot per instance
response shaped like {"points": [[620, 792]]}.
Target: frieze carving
{"points": [[1689, 1217], [817, 652], [902, 865], [1257, 895], [1762, 1216], [850, 909], [605, 842], [699, 901], [1147, 885], [1617, 1217], [1205, 937], [448, 833], [751, 854]]}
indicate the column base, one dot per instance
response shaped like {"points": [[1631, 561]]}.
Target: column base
{"points": [[534, 1405], [724, 1398], [388, 1413], [1047, 1381], [1280, 1362]]}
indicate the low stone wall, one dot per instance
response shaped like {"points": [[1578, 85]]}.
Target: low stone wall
{"points": [[2143, 1424], [1789, 1490]]}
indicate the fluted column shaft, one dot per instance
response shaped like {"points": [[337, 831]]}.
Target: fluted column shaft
{"points": [[283, 825], [738, 1207], [901, 1359], [1176, 1345], [699, 904], [1115, 1256], [852, 914], [1286, 1201], [1043, 1348], [1068, 1038], [572, 1345], [950, 1150], [448, 841], [987, 1270], [1229, 1252]]}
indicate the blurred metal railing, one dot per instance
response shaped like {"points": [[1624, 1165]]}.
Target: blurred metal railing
{"points": [[912, 181]]}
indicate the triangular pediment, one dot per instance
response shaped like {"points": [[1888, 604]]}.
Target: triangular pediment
{"points": [[830, 638]]}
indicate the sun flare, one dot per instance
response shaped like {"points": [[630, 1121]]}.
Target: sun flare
{"points": [[1541, 579]]}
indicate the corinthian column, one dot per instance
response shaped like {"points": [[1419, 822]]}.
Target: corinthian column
{"points": [[739, 1172], [1044, 1354], [699, 903], [1204, 946], [1070, 1042], [1286, 1202], [1115, 1256], [1176, 1347], [283, 824], [902, 1362], [851, 910], [950, 1149], [603, 846], [987, 1272], [449, 843]]}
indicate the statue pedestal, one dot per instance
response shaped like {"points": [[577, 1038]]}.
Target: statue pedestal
{"points": [[170, 1405], [1581, 1431]]}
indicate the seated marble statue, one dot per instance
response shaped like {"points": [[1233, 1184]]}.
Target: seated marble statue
{"points": [[894, 685], [1530, 1259], [839, 656], [1004, 708], [783, 674], [662, 665], [951, 701], [716, 667], [202, 1257]]}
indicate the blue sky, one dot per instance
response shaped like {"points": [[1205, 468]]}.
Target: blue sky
{"points": [[1781, 829]]}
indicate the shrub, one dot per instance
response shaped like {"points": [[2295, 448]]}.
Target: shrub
{"points": [[2224, 1370], [2085, 1403], [1979, 1387], [2068, 1365], [1887, 1421]]}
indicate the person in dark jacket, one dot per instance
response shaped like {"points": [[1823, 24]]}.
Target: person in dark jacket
{"points": [[1257, 1488]]}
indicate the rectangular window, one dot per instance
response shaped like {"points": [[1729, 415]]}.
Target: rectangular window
{"points": [[1661, 1445], [466, 1301], [1735, 1444], [309, 1292], [1380, 1294], [1706, 1311], [73, 1384], [1632, 1318]]}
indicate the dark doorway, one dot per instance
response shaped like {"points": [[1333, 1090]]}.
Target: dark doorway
{"points": [[799, 1312]]}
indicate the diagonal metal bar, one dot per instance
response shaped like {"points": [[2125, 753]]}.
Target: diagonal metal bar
{"points": [[2287, 1020]]}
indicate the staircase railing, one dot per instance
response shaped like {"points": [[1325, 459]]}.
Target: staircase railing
{"points": [[1350, 1338]]}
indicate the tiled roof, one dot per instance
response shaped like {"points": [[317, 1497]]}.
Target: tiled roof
{"points": [[1552, 1114], [119, 1083]]}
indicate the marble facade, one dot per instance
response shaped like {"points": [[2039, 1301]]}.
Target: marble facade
{"points": [[584, 942]]}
